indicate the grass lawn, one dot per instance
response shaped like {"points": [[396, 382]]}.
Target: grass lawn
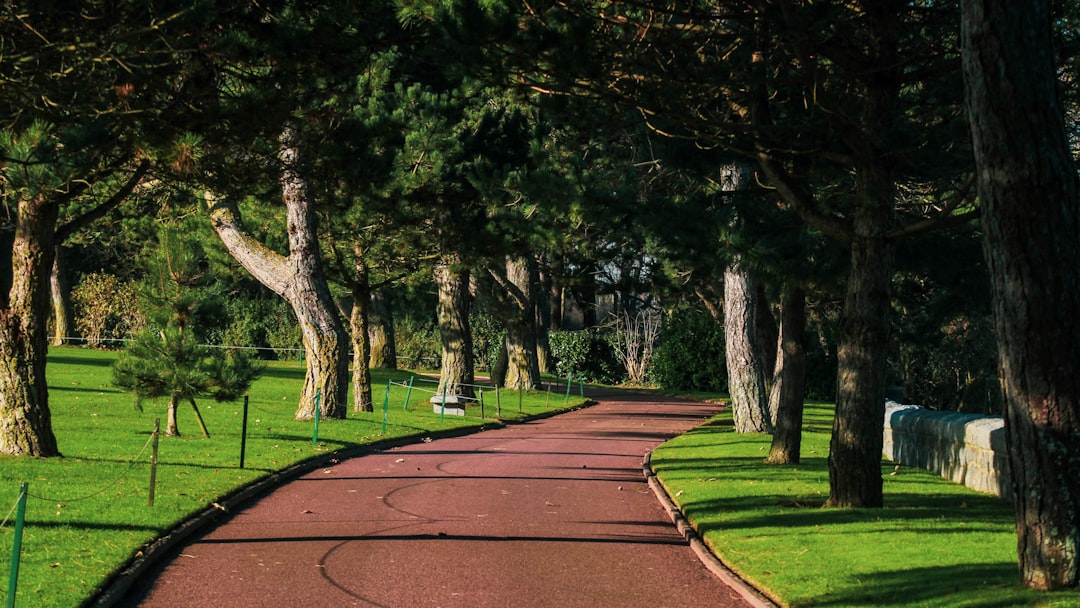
{"points": [[88, 513], [934, 544]]}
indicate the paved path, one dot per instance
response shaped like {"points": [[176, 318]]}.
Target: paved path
{"points": [[554, 512]]}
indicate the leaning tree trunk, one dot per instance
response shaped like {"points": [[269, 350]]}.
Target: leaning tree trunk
{"points": [[381, 338], [1030, 192], [300, 280], [456, 376], [25, 420], [746, 380], [361, 344], [789, 379], [523, 370], [63, 314]]}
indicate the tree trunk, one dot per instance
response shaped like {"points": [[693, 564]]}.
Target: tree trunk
{"points": [[1030, 192], [361, 346], [456, 376], [299, 279], [789, 379], [767, 335], [746, 381], [63, 314], [523, 370], [543, 321], [25, 419], [199, 419], [172, 429], [381, 331], [862, 348]]}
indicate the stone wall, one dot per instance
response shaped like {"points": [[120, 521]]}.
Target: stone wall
{"points": [[965, 448]]}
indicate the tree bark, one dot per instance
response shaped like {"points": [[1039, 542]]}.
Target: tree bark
{"points": [[63, 314], [543, 321], [767, 335], [25, 419], [299, 279], [457, 374], [789, 379], [862, 348], [1030, 193], [172, 428], [381, 331], [523, 370], [359, 327], [746, 381]]}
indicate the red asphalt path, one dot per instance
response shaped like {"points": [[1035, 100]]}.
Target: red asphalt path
{"points": [[553, 512]]}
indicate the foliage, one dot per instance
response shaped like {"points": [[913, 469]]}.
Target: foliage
{"points": [[488, 335], [936, 544], [587, 353], [168, 362], [167, 359], [418, 344], [944, 351], [690, 352], [264, 323], [106, 309]]}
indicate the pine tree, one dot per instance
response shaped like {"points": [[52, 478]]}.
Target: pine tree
{"points": [[168, 360]]}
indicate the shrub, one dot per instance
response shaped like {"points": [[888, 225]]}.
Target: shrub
{"points": [[587, 353], [690, 353], [418, 344], [106, 309], [487, 336], [262, 323]]}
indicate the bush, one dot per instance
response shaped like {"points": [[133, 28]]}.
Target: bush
{"points": [[487, 337], [261, 323], [106, 309], [418, 344], [587, 353], [690, 353]]}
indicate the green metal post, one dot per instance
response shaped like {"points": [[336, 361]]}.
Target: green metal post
{"points": [[498, 403], [243, 432], [408, 393], [16, 547], [481, 389], [442, 411], [581, 383], [385, 405], [154, 459], [520, 392], [569, 378]]}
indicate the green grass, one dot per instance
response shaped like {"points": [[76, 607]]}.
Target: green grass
{"points": [[88, 514], [934, 544]]}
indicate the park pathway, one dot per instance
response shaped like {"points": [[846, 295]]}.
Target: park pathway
{"points": [[550, 513]]}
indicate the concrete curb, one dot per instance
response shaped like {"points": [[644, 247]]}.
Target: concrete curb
{"points": [[713, 563]]}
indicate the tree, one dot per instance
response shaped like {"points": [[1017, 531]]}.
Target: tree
{"points": [[298, 277], [90, 97], [168, 358], [1030, 192]]}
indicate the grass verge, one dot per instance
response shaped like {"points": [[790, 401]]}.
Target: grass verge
{"points": [[87, 512], [935, 543]]}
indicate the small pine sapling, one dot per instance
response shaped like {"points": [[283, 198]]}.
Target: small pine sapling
{"points": [[168, 360]]}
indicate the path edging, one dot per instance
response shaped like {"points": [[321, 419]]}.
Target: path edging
{"points": [[713, 563]]}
